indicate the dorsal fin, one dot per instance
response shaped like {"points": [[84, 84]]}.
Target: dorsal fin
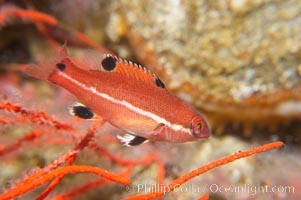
{"points": [[93, 60], [137, 71]]}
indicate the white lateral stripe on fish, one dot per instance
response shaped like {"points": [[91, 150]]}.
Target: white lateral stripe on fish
{"points": [[158, 119]]}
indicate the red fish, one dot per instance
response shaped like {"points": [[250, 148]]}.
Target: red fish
{"points": [[125, 94]]}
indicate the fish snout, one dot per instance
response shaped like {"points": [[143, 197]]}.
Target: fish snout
{"points": [[205, 131]]}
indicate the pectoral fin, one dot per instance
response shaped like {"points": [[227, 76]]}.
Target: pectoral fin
{"points": [[131, 140], [160, 127]]}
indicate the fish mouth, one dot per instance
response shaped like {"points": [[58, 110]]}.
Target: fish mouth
{"points": [[205, 132]]}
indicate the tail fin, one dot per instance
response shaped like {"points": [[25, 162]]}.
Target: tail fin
{"points": [[44, 68]]}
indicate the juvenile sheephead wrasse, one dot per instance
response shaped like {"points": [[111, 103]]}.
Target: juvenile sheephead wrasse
{"points": [[124, 94]]}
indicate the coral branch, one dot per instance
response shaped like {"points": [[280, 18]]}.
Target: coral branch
{"points": [[161, 170], [179, 181], [81, 189], [35, 117], [13, 146], [204, 197], [6, 121], [38, 174], [83, 143], [88, 186], [22, 188], [51, 41], [9, 13], [123, 161]]}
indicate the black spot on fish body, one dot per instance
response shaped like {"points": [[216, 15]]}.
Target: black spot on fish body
{"points": [[159, 83], [82, 111], [109, 63], [61, 66]]}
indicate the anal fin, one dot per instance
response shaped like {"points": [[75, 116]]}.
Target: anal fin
{"points": [[131, 140]]}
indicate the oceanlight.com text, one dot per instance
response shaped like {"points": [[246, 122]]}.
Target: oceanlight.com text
{"points": [[251, 189]]}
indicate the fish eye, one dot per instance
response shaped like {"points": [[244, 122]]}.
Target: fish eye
{"points": [[195, 128]]}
